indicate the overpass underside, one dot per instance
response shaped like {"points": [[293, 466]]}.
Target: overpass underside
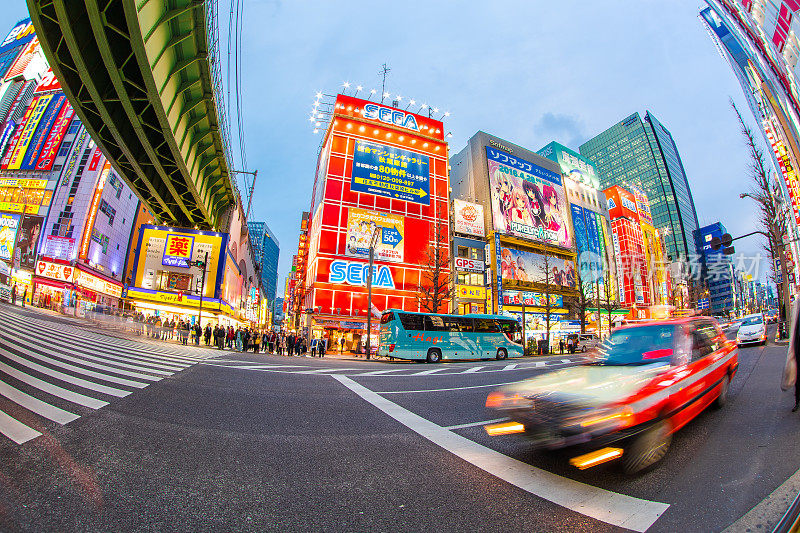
{"points": [[139, 74]]}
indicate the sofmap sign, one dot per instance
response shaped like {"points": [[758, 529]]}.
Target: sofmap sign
{"points": [[391, 116], [355, 273]]}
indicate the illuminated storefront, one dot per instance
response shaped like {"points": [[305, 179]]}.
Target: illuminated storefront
{"points": [[164, 283], [381, 171]]}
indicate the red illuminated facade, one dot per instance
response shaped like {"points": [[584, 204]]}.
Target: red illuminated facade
{"points": [[632, 274], [379, 167]]}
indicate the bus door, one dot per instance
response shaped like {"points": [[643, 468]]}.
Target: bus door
{"points": [[407, 338]]}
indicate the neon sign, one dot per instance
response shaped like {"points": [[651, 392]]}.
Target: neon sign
{"points": [[391, 116], [355, 273]]}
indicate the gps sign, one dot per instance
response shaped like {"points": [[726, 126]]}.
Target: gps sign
{"points": [[470, 265]]}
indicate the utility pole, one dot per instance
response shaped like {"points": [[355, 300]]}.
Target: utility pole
{"points": [[372, 243], [252, 188]]}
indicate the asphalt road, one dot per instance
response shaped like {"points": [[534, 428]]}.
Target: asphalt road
{"points": [[191, 439]]}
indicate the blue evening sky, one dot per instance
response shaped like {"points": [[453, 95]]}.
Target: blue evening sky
{"points": [[529, 72]]}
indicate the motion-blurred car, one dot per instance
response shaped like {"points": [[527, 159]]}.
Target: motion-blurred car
{"points": [[644, 383], [752, 330], [588, 341]]}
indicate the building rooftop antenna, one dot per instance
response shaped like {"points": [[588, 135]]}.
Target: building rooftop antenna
{"points": [[384, 71]]}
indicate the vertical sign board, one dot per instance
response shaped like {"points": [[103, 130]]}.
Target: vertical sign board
{"points": [[9, 223], [5, 136], [499, 271], [12, 146], [53, 142], [42, 132], [15, 163], [178, 250], [92, 215]]}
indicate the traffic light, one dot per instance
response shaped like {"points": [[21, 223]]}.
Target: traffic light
{"points": [[723, 242]]}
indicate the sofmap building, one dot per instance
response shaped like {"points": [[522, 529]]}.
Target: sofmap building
{"points": [[527, 219]]}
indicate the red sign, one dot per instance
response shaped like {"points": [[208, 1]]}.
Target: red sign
{"points": [[621, 203], [57, 133], [473, 265], [49, 83], [98, 192], [95, 159], [17, 134], [383, 116], [55, 271]]}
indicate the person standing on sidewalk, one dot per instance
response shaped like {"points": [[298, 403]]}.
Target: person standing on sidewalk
{"points": [[24, 296], [14, 295], [793, 357]]}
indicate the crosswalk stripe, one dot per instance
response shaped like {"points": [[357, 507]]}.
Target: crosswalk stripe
{"points": [[155, 368], [80, 345], [539, 364], [512, 366], [90, 363], [324, 370], [80, 370], [15, 430], [84, 383], [51, 412], [170, 357], [566, 360], [473, 369], [55, 390]]}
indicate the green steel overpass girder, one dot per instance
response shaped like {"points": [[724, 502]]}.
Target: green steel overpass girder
{"points": [[139, 74]]}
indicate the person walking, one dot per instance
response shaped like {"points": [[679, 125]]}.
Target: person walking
{"points": [[793, 357], [271, 342], [561, 346], [256, 341], [290, 345], [207, 333], [24, 296], [229, 336], [14, 295], [197, 333], [322, 346]]}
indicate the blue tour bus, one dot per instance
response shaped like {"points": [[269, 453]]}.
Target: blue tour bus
{"points": [[433, 337]]}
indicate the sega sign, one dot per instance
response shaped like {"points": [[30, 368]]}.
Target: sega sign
{"points": [[355, 273], [391, 116], [471, 265]]}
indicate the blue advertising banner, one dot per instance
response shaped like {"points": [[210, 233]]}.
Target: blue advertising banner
{"points": [[587, 241], [391, 172], [35, 147], [499, 270], [5, 136]]}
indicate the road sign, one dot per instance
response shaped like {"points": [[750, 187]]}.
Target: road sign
{"points": [[702, 303], [785, 238], [778, 264]]}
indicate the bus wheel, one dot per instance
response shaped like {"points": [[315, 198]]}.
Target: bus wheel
{"points": [[502, 353], [434, 355]]}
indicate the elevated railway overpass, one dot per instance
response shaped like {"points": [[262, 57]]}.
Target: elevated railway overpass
{"points": [[143, 76]]}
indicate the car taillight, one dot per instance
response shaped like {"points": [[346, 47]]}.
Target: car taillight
{"points": [[391, 348]]}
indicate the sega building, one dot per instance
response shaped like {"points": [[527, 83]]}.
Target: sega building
{"points": [[380, 170]]}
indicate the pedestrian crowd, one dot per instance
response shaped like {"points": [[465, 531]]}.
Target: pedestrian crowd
{"points": [[239, 339]]}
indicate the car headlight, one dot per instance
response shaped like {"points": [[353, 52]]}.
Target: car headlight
{"points": [[503, 400], [615, 417]]}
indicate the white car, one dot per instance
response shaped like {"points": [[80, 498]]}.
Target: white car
{"points": [[752, 330]]}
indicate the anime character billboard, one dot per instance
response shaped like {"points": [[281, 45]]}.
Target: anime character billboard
{"points": [[527, 200], [520, 265]]}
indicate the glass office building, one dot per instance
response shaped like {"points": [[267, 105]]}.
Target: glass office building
{"points": [[266, 249], [718, 270], [643, 153]]}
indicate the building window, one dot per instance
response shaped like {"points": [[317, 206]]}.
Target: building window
{"points": [[463, 251]]}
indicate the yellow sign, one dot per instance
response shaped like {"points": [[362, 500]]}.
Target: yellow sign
{"points": [[23, 183], [468, 291], [171, 298]]}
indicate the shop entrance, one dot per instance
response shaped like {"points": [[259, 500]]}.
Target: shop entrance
{"points": [[466, 308]]}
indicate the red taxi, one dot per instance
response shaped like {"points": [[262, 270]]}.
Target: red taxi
{"points": [[644, 383]]}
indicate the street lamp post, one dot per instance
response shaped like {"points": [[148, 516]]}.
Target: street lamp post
{"points": [[372, 243], [200, 264]]}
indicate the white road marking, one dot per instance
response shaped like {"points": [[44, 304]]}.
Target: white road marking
{"points": [[428, 372], [379, 372], [36, 405], [567, 361], [16, 431], [86, 384], [472, 370], [448, 389], [473, 424], [324, 370], [539, 364], [610, 507], [512, 366], [55, 390]]}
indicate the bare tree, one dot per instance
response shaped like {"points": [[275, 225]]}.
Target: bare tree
{"points": [[770, 219], [583, 301], [608, 302], [434, 289], [547, 279]]}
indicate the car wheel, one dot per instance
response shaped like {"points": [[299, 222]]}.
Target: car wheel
{"points": [[584, 349], [722, 399], [434, 355], [647, 448], [501, 354]]}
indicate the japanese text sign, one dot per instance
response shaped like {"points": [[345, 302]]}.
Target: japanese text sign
{"points": [[391, 172]]}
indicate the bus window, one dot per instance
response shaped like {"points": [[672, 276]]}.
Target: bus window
{"points": [[387, 317], [411, 322], [511, 330], [435, 323], [485, 325], [455, 324]]}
